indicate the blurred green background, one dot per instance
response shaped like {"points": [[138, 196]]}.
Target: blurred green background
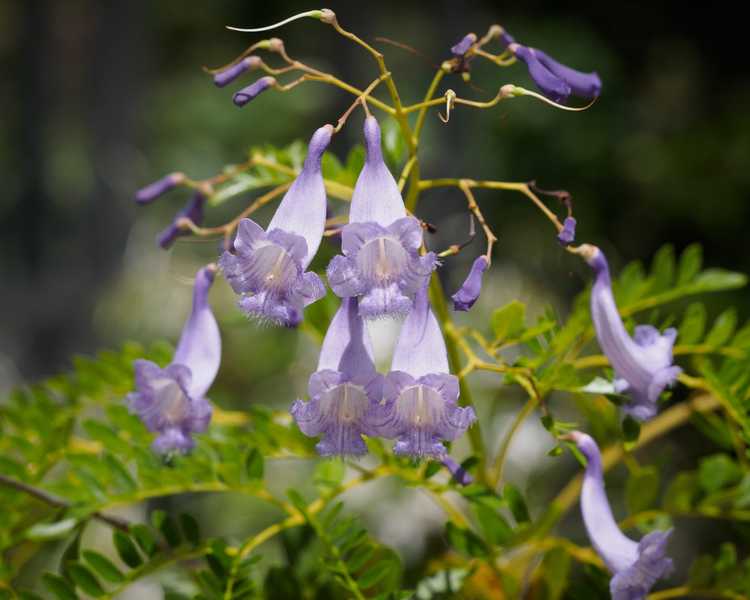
{"points": [[100, 98]]}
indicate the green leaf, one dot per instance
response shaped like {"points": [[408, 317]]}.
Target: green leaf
{"points": [[394, 146], [329, 472], [465, 541], [84, 579], [103, 566], [190, 529], [297, 500], [509, 320], [59, 587], [375, 574], [281, 583], [717, 472], [681, 492], [642, 489], [716, 280], [663, 269], [122, 478], [254, 464], [693, 324], [556, 569], [723, 328], [51, 531], [701, 572], [494, 527], [631, 430], [690, 264], [164, 523], [145, 539], [516, 503], [126, 549]]}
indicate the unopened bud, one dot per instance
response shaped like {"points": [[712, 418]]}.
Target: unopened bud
{"points": [[327, 16], [253, 90], [228, 75], [152, 191]]}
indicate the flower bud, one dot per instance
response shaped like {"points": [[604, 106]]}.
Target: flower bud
{"points": [[152, 191], [193, 211], [228, 75], [465, 298], [463, 46], [250, 92], [568, 234]]}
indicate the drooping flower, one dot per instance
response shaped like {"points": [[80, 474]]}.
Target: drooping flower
{"points": [[268, 267], [568, 234], [228, 75], [344, 389], [643, 364], [465, 297], [253, 90], [158, 188], [462, 47], [555, 80], [420, 394], [635, 566], [381, 263], [193, 210], [172, 401]]}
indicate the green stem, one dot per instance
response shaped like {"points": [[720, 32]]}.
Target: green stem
{"points": [[496, 472]]}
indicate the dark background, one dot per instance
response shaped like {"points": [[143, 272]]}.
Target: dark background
{"points": [[101, 97]]}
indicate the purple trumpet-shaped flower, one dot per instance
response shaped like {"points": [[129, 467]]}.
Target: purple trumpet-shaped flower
{"points": [[568, 234], [462, 47], [420, 408], [171, 401], [381, 263], [344, 389], [643, 364], [465, 297], [555, 80], [253, 90], [268, 268], [193, 210], [228, 75], [158, 188], [635, 566]]}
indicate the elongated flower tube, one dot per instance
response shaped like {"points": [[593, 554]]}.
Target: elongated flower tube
{"points": [[344, 389], [643, 364], [193, 210], [252, 91], [635, 566], [172, 401], [420, 408], [465, 297], [381, 263], [268, 268], [158, 188], [462, 47], [228, 75]]}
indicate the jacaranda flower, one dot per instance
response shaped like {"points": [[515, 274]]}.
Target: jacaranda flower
{"points": [[193, 210], [635, 566], [344, 389], [152, 191], [554, 80], [643, 364], [172, 401], [253, 90], [268, 268], [420, 408], [381, 263], [463, 46], [465, 297], [568, 234], [228, 75], [458, 473]]}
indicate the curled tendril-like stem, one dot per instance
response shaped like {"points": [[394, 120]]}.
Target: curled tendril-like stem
{"points": [[315, 14], [450, 99]]}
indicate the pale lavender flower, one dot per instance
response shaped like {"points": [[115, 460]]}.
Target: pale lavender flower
{"points": [[643, 364], [462, 47], [193, 210], [635, 566], [171, 401], [344, 389], [465, 297], [568, 234], [268, 268], [228, 75], [158, 188], [381, 263], [252, 91], [420, 408]]}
